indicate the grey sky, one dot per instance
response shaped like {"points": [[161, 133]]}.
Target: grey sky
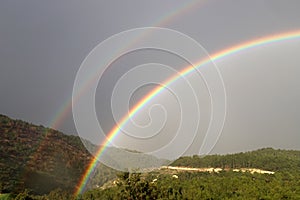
{"points": [[43, 43]]}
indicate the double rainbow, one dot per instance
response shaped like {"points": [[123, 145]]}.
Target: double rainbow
{"points": [[217, 56]]}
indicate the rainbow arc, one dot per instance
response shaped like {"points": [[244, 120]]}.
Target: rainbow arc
{"points": [[156, 91]]}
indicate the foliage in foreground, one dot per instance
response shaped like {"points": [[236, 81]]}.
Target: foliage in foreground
{"points": [[191, 185], [35, 160]]}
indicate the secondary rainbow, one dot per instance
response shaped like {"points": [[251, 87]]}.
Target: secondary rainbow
{"points": [[66, 108], [217, 56]]}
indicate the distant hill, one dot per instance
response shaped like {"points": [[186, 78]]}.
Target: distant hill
{"points": [[266, 158], [238, 180]]}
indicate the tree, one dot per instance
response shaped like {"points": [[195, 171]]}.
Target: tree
{"points": [[24, 196]]}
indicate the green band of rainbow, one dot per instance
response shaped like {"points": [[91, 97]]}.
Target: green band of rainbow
{"points": [[221, 54]]}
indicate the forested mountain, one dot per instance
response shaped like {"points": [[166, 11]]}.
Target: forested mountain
{"points": [[266, 158], [42, 159], [41, 163], [166, 183]]}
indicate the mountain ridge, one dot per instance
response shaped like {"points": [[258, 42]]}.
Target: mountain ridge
{"points": [[42, 159], [34, 157]]}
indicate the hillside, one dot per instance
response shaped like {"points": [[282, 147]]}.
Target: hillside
{"points": [[42, 159], [266, 158], [233, 176]]}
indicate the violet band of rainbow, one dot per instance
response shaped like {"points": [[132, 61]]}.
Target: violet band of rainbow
{"points": [[217, 56]]}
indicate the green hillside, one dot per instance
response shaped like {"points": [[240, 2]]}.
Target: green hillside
{"points": [[41, 163], [266, 158], [42, 159], [227, 184]]}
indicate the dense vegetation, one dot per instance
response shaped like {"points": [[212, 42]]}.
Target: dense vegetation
{"points": [[227, 185], [284, 184], [41, 163], [192, 185], [267, 158], [41, 159]]}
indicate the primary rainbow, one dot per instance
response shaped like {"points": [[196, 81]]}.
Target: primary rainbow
{"points": [[146, 99], [66, 108]]}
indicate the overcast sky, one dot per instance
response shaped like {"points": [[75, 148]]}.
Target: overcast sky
{"points": [[43, 43]]}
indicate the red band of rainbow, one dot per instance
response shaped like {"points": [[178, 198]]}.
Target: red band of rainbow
{"points": [[217, 56]]}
